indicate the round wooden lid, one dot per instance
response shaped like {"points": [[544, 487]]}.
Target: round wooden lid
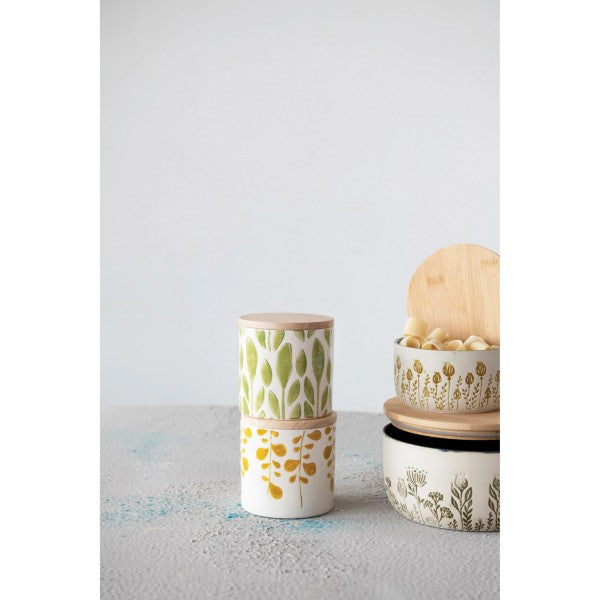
{"points": [[473, 426], [285, 321], [458, 289]]}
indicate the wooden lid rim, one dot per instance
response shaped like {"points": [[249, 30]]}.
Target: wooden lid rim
{"points": [[294, 424], [455, 435], [285, 321], [461, 425]]}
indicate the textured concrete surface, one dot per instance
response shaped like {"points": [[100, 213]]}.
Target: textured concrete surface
{"points": [[172, 526]]}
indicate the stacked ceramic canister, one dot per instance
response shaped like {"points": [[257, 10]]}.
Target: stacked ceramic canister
{"points": [[441, 449], [287, 427]]}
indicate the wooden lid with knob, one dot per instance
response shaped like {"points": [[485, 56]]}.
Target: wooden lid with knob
{"points": [[458, 289], [460, 426]]}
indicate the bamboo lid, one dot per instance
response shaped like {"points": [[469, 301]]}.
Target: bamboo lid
{"points": [[285, 321], [296, 424], [458, 289], [461, 426]]}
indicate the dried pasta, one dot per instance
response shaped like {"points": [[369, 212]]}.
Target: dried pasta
{"points": [[472, 339], [432, 344], [476, 345], [438, 334], [415, 327], [454, 345], [411, 341], [415, 337]]}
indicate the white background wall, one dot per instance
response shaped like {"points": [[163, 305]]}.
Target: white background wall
{"points": [[274, 155]]}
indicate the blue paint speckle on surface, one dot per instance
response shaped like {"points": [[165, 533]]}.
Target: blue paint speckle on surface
{"points": [[148, 446], [152, 508], [316, 525], [138, 510], [309, 525], [237, 513], [235, 516]]}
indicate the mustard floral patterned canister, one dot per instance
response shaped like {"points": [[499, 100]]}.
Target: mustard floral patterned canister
{"points": [[286, 365], [287, 467]]}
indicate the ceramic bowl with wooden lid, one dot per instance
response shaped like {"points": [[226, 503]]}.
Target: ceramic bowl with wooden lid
{"points": [[287, 466], [456, 289], [443, 471], [447, 381], [286, 365]]}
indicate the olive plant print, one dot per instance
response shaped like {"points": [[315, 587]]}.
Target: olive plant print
{"points": [[449, 508], [285, 374]]}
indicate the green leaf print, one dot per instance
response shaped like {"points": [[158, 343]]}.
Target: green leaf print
{"points": [[327, 335], [318, 363], [284, 370], [309, 391], [328, 372], [310, 334], [299, 335], [295, 414], [325, 398], [260, 398], [241, 358], [284, 364], [301, 363], [274, 404], [245, 407], [277, 339], [266, 373], [318, 360], [245, 385], [308, 411], [260, 336], [294, 392], [251, 358]]}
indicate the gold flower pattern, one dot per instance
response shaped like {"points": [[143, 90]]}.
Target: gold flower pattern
{"points": [[477, 391]]}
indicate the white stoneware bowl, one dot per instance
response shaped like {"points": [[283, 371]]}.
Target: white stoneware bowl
{"points": [[287, 467], [285, 371], [466, 381], [451, 484]]}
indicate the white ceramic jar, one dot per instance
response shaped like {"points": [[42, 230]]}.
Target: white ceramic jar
{"points": [[286, 365], [447, 381], [287, 467], [446, 483]]}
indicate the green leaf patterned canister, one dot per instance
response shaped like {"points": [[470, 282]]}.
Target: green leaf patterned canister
{"points": [[286, 365]]}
